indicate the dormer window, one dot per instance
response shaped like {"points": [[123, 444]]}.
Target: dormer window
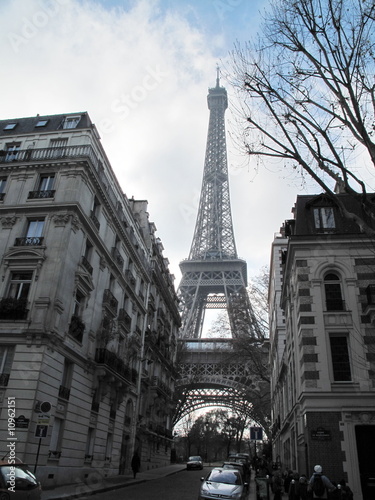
{"points": [[324, 218], [71, 121], [10, 126], [41, 123]]}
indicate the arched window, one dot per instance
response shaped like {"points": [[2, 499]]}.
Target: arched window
{"points": [[332, 288]]}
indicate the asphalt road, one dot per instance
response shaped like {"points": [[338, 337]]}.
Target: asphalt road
{"points": [[183, 485]]}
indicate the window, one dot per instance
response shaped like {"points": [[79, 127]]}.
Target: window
{"points": [[332, 287], [12, 151], [6, 360], [46, 182], [56, 438], [44, 188], [66, 381], [3, 181], [90, 444], [78, 303], [324, 218], [340, 358], [41, 123], [34, 232], [10, 126], [71, 121], [20, 284]]}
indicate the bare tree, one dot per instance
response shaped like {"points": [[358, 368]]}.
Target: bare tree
{"points": [[307, 92]]}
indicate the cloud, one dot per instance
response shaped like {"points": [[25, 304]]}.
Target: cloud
{"points": [[142, 72]]}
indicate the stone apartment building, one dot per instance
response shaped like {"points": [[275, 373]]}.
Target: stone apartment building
{"points": [[322, 305], [88, 309]]}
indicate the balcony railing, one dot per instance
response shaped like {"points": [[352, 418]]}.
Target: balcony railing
{"points": [[29, 241], [13, 309], [95, 220], [114, 363], [117, 256], [64, 392], [110, 300], [124, 319], [38, 195], [4, 379], [370, 292], [86, 264]]}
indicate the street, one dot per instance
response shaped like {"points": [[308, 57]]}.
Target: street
{"points": [[183, 485]]}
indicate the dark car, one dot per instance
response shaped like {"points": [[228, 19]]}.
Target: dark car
{"points": [[17, 482], [194, 462]]}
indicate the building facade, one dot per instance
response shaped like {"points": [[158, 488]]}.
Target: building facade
{"points": [[323, 342], [88, 310]]}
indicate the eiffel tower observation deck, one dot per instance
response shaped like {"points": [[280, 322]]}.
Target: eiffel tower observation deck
{"points": [[213, 277]]}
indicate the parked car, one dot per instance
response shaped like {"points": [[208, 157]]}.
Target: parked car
{"points": [[17, 482], [195, 462], [226, 484]]}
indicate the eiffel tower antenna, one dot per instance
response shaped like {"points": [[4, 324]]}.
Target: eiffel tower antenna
{"points": [[213, 277]]}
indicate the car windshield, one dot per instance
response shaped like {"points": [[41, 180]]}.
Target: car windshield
{"points": [[195, 459], [24, 479], [224, 476]]}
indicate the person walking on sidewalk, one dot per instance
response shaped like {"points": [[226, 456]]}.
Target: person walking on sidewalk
{"points": [[319, 484], [136, 463]]}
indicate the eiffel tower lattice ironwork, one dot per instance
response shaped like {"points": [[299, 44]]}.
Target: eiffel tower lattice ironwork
{"points": [[213, 277]]}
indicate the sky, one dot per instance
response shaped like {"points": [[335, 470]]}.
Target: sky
{"points": [[142, 70]]}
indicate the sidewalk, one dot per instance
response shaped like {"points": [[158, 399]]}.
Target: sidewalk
{"points": [[78, 490]]}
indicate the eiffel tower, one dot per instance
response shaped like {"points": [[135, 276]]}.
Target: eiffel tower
{"points": [[213, 277]]}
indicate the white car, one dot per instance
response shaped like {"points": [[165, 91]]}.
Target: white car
{"points": [[226, 484]]}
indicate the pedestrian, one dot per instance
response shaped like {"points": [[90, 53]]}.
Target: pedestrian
{"points": [[135, 464], [303, 483], [346, 492], [319, 484], [277, 485], [293, 492], [288, 476]]}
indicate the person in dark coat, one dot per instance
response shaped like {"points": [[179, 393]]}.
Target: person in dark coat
{"points": [[136, 463]]}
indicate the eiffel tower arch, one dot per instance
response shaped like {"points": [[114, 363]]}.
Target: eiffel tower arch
{"points": [[213, 277]]}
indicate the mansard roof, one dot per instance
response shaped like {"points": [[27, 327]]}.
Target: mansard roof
{"points": [[33, 125], [304, 223]]}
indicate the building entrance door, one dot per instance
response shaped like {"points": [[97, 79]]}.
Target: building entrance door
{"points": [[365, 434]]}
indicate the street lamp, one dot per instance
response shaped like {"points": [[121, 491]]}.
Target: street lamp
{"points": [[206, 428]]}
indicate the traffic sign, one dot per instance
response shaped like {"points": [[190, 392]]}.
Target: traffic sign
{"points": [[256, 433], [41, 431]]}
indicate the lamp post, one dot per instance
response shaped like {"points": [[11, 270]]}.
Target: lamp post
{"points": [[206, 428]]}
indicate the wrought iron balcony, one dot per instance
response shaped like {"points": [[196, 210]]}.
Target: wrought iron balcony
{"points": [[95, 220], [29, 241], [13, 309], [124, 319], [115, 364], [64, 392], [38, 195], [161, 386], [110, 300], [370, 293], [4, 379], [117, 256], [86, 264]]}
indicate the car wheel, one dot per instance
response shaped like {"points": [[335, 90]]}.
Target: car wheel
{"points": [[4, 496]]}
